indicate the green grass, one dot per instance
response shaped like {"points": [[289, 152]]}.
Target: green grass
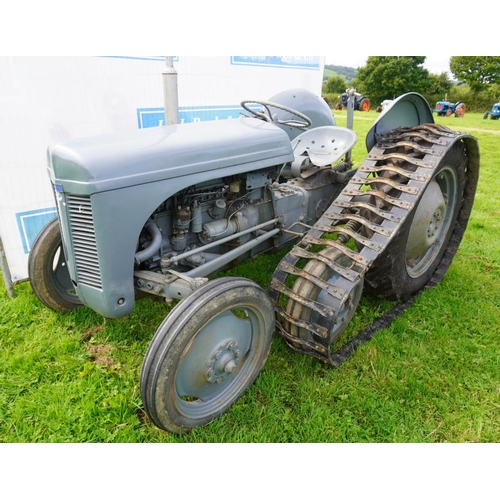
{"points": [[432, 376]]}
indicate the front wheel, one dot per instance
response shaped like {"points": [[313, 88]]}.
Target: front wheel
{"points": [[48, 272], [206, 353]]}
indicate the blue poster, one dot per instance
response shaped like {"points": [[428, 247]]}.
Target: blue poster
{"points": [[155, 117], [297, 62], [31, 223]]}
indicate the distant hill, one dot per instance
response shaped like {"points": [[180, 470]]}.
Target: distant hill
{"points": [[348, 73]]}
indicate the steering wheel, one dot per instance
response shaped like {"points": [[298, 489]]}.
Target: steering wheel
{"points": [[304, 121]]}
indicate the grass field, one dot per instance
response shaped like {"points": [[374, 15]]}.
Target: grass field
{"points": [[432, 376]]}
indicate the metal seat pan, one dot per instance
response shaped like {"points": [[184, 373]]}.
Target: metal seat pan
{"points": [[324, 145]]}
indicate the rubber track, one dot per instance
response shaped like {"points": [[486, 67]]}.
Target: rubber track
{"points": [[409, 173]]}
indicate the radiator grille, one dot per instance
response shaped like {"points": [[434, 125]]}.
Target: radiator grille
{"points": [[84, 241]]}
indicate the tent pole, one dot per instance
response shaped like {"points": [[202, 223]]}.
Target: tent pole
{"points": [[5, 271], [170, 92]]}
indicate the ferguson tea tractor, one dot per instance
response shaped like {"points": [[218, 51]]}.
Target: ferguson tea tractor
{"points": [[159, 211]]}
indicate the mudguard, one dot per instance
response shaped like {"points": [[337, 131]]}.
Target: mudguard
{"points": [[408, 110]]}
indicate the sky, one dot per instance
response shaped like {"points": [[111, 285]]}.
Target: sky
{"points": [[435, 64]]}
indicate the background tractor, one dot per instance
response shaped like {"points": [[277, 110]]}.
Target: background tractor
{"points": [[446, 108], [361, 103], [159, 211], [387, 103], [494, 114]]}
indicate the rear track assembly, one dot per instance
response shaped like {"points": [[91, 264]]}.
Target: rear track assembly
{"points": [[402, 162]]}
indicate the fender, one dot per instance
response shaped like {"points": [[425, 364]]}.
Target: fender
{"points": [[408, 110]]}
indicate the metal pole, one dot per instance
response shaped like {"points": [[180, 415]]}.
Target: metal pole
{"points": [[4, 265], [214, 265], [351, 93], [350, 116], [170, 92]]}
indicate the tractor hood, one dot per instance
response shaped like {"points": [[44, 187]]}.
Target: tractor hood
{"points": [[116, 161], [408, 110]]}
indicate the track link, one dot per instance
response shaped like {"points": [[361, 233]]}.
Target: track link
{"points": [[404, 162]]}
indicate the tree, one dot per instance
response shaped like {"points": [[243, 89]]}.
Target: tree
{"points": [[439, 84], [335, 85], [387, 77], [476, 71]]}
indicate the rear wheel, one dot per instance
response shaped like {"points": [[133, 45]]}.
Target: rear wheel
{"points": [[48, 272], [206, 353], [364, 104], [460, 110], [416, 251]]}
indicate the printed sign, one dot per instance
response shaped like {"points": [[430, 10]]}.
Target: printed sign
{"points": [[155, 117], [31, 223], [300, 62]]}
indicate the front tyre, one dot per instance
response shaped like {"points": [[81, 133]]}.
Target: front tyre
{"points": [[48, 272], [410, 260], [206, 353]]}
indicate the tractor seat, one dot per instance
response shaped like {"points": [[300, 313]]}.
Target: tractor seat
{"points": [[324, 145]]}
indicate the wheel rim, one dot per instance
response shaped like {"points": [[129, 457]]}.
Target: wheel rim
{"points": [[219, 361], [431, 223]]}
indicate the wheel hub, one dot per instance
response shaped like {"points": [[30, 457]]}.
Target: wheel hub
{"points": [[427, 222], [223, 362], [435, 224]]}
